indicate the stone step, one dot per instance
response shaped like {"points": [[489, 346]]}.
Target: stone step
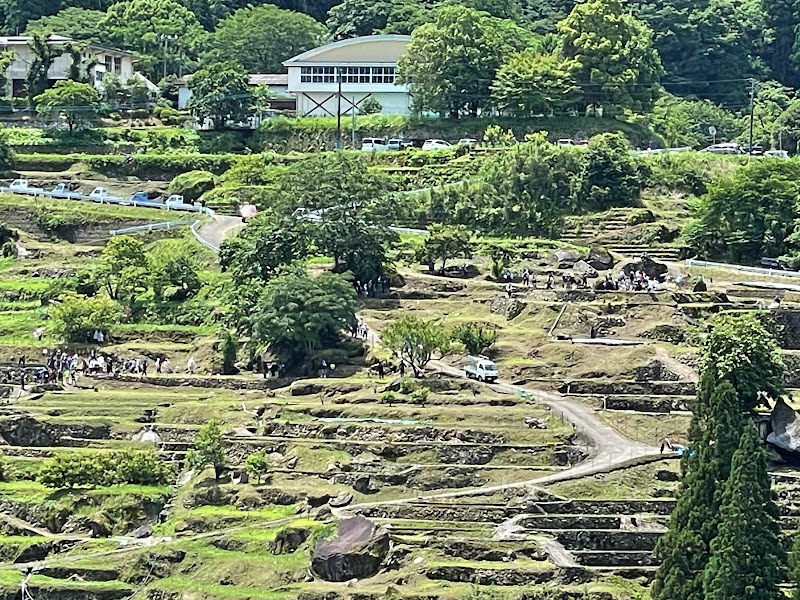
{"points": [[621, 558]]}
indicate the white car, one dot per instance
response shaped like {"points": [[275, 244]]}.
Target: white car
{"points": [[468, 142], [565, 142], [725, 148], [62, 189], [20, 186], [99, 193], [395, 144], [481, 368], [777, 153], [373, 145], [436, 145]]}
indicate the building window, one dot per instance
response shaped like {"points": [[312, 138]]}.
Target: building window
{"points": [[108, 61], [118, 65], [355, 74], [383, 74], [318, 74]]}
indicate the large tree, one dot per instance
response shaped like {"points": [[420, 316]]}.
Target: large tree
{"points": [[164, 32], [261, 38], [451, 63], [609, 175], [354, 18], [749, 214], [747, 556], [221, 94], [77, 23], [300, 314], [531, 83], [618, 66], [73, 101]]}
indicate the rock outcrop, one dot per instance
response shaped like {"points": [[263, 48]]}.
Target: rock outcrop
{"points": [[651, 268], [785, 427], [357, 551], [600, 259], [567, 257]]}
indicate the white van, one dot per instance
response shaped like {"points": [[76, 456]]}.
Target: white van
{"points": [[481, 368], [373, 144]]}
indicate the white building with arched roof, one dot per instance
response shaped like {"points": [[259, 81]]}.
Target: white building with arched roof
{"points": [[358, 68]]}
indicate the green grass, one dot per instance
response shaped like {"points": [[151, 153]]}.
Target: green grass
{"points": [[84, 211]]}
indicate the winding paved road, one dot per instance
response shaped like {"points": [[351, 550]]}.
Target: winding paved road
{"points": [[217, 230]]}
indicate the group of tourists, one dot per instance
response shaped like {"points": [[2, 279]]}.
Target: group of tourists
{"points": [[372, 288]]}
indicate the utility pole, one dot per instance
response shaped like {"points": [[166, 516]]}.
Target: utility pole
{"points": [[752, 103], [339, 109], [353, 128]]}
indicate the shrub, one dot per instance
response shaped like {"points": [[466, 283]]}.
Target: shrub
{"points": [[407, 386], [476, 338], [420, 396], [257, 465], [387, 398], [76, 317], [93, 469], [192, 185], [228, 349]]}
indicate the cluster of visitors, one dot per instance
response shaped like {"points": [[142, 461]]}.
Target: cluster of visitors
{"points": [[373, 288], [272, 369], [635, 281], [360, 329]]}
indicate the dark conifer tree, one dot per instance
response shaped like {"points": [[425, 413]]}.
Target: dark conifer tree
{"points": [[747, 556]]}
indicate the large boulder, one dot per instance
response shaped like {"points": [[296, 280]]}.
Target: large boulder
{"points": [[651, 268], [785, 427], [582, 267], [566, 257], [357, 551], [600, 259], [510, 308]]}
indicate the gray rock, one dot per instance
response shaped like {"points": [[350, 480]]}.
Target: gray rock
{"points": [[600, 259], [288, 540], [357, 551], [365, 485], [341, 500], [567, 257], [145, 531], [582, 267], [510, 308], [651, 268], [785, 427]]}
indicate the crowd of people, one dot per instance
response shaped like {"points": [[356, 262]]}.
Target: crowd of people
{"points": [[373, 288]]}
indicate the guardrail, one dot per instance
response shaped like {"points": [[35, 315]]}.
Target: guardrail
{"points": [[40, 193], [150, 227], [773, 272]]}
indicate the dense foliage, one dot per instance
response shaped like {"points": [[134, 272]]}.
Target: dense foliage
{"points": [[93, 469]]}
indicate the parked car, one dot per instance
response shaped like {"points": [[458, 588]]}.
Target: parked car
{"points": [[395, 144], [20, 186], [99, 194], [138, 197], [775, 263], [724, 148], [178, 202], [754, 151], [436, 145], [62, 189], [565, 142], [481, 368], [373, 144], [777, 153], [468, 142]]}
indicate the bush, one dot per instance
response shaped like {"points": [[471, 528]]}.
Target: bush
{"points": [[406, 386], [420, 396], [93, 469], [388, 398], [257, 465], [476, 338], [192, 185], [76, 317], [228, 349]]}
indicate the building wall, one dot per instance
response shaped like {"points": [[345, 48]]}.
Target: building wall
{"points": [[322, 104]]}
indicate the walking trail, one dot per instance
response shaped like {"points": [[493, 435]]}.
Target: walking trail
{"points": [[218, 229]]}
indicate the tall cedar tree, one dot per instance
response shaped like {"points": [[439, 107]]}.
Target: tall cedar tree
{"points": [[684, 550], [747, 553]]}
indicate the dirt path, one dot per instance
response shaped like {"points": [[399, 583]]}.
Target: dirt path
{"points": [[681, 370]]}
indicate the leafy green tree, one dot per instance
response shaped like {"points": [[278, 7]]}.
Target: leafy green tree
{"points": [[75, 317], [164, 32], [177, 273], [749, 214], [531, 83], [208, 449], [260, 38], [415, 340], [477, 339], [353, 18], [782, 54], [75, 102], [6, 58], [139, 467], [685, 122], [257, 465], [747, 555], [451, 63], [741, 350], [221, 94], [356, 243], [44, 55], [82, 24], [787, 126], [502, 9], [618, 66], [123, 270], [609, 176], [192, 184], [72, 470], [444, 242], [17, 13], [299, 315], [7, 155], [210, 12]]}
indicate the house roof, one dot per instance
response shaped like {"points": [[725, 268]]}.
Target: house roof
{"points": [[24, 40], [367, 49]]}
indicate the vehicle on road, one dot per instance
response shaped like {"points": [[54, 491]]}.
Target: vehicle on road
{"points": [[178, 202], [565, 142], [468, 142], [62, 189], [21, 186], [373, 145], [436, 145], [395, 144], [724, 148], [776, 154], [138, 198], [99, 194], [481, 368], [775, 263], [754, 151]]}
